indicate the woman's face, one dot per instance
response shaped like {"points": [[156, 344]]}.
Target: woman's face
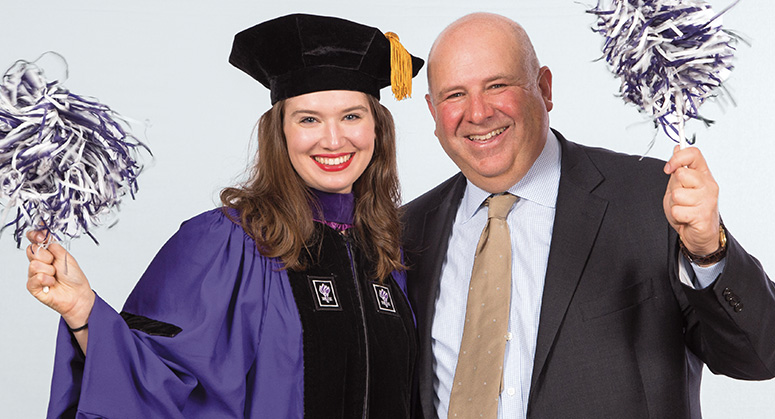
{"points": [[330, 137]]}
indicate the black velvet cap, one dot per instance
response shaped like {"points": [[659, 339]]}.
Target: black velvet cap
{"points": [[297, 54]]}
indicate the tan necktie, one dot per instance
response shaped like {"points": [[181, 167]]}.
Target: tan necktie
{"points": [[479, 371]]}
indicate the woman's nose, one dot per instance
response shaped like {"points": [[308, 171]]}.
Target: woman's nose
{"points": [[333, 138]]}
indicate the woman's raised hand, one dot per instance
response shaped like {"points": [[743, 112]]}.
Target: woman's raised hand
{"points": [[55, 279]]}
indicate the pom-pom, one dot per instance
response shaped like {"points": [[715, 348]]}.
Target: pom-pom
{"points": [[66, 160], [671, 55]]}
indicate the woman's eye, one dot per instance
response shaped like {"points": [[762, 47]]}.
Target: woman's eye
{"points": [[351, 117], [307, 120]]}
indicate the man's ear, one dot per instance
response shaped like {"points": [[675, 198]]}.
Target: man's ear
{"points": [[545, 84], [430, 105]]}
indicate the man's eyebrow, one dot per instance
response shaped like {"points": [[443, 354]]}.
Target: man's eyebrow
{"points": [[497, 77], [443, 92], [501, 77]]}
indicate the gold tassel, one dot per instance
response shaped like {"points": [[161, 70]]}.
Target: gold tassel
{"points": [[400, 68]]}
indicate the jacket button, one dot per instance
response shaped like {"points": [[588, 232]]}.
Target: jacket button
{"points": [[738, 307], [727, 291]]}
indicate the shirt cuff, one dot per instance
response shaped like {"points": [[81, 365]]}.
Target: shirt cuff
{"points": [[696, 276]]}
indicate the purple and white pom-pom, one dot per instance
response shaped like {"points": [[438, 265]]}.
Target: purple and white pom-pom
{"points": [[671, 55], [65, 160]]}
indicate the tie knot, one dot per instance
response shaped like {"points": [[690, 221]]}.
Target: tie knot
{"points": [[500, 205]]}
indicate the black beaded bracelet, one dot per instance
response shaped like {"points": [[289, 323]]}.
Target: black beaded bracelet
{"points": [[78, 329]]}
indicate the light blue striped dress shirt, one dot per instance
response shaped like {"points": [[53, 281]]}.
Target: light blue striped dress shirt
{"points": [[531, 222]]}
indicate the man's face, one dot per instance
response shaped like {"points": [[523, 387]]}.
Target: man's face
{"points": [[491, 110]]}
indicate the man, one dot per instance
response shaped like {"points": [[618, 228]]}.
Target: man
{"points": [[607, 317]]}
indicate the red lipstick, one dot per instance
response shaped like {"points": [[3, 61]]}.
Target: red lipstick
{"points": [[333, 167]]}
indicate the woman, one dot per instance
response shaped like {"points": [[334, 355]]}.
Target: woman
{"points": [[288, 301]]}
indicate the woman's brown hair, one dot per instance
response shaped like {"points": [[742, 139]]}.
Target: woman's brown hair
{"points": [[274, 204]]}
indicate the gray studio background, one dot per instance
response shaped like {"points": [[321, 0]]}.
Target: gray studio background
{"points": [[166, 62]]}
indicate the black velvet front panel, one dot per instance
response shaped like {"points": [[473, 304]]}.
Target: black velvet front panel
{"points": [[359, 340]]}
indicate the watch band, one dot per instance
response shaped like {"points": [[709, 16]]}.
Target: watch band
{"points": [[709, 258]]}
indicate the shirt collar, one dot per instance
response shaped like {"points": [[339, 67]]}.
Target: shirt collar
{"points": [[539, 185]]}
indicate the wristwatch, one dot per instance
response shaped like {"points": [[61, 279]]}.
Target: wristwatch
{"points": [[709, 258]]}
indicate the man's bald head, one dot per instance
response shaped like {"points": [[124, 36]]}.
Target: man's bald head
{"points": [[479, 23]]}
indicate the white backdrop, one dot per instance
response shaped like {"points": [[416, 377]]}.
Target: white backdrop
{"points": [[167, 62]]}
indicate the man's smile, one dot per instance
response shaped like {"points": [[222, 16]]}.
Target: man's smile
{"points": [[487, 136]]}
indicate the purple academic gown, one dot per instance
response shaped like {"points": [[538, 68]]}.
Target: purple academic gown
{"points": [[238, 351]]}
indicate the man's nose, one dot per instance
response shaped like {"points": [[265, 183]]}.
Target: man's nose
{"points": [[479, 109]]}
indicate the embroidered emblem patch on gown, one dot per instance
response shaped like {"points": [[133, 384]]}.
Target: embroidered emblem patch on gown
{"points": [[384, 298], [325, 293]]}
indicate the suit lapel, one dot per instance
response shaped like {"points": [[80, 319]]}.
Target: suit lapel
{"points": [[577, 220], [433, 241]]}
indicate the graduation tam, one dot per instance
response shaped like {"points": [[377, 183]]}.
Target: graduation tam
{"points": [[297, 54]]}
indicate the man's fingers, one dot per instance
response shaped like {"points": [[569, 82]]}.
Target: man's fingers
{"points": [[690, 205], [686, 214], [687, 197], [687, 178], [690, 157]]}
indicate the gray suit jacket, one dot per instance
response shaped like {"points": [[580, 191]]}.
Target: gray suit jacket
{"points": [[618, 333]]}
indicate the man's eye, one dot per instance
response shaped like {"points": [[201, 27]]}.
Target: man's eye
{"points": [[455, 95]]}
